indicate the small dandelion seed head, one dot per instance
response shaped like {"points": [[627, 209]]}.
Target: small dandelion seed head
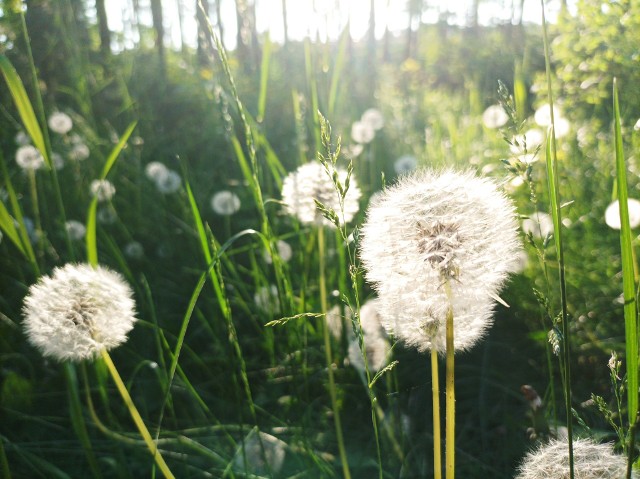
{"points": [[591, 461], [103, 190], [612, 214], [78, 311], [79, 152], [310, 182], [225, 203], [538, 224], [284, 251], [362, 132], [431, 228], [169, 183], [374, 118], [155, 171], [265, 454], [494, 117], [75, 230], [134, 250], [28, 157], [22, 138], [405, 164], [60, 123]]}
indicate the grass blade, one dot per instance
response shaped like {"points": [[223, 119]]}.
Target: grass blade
{"points": [[628, 282], [337, 70], [25, 109], [91, 235], [264, 78]]}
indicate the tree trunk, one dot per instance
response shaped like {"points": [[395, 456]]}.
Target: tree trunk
{"points": [[156, 14], [103, 27]]}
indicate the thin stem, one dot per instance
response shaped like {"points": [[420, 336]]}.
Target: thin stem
{"points": [[33, 190], [435, 389], [327, 352], [135, 415], [552, 174], [450, 393]]}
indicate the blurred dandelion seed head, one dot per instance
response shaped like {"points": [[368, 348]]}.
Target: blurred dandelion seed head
{"points": [[592, 461], [431, 228], [376, 344], [539, 225], [373, 118], [75, 230], [23, 139], [169, 183], [28, 158], [310, 182], [264, 453], [225, 203], [405, 164], [60, 123], [362, 132], [78, 311], [102, 190], [612, 214], [494, 117], [284, 251]]}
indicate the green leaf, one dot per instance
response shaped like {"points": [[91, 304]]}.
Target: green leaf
{"points": [[628, 280], [25, 109]]}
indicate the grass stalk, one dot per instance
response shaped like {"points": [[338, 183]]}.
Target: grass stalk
{"points": [[554, 195], [135, 415], [435, 390], [327, 352]]}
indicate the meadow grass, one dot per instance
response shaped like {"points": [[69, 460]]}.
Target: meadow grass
{"points": [[231, 366]]}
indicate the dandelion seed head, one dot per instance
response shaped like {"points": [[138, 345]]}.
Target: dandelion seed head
{"points": [[591, 461], [57, 160], [405, 164], [60, 123], [267, 300], [362, 132], [22, 138], [155, 171], [75, 230], [261, 459], [107, 216], [310, 182], [542, 115], [612, 214], [431, 228], [78, 311], [538, 224], [29, 158], [374, 118], [103, 190], [376, 344], [494, 117], [225, 203], [79, 152], [169, 183], [284, 251], [134, 250]]}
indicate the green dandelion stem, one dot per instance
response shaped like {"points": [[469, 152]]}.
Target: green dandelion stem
{"points": [[450, 394], [435, 389], [135, 415]]}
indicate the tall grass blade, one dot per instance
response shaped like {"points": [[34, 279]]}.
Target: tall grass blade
{"points": [[264, 78], [554, 197], [628, 282], [91, 235], [337, 69], [25, 109]]}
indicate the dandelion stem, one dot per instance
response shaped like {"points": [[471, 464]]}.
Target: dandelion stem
{"points": [[450, 393], [327, 352], [135, 415], [36, 212], [435, 389]]}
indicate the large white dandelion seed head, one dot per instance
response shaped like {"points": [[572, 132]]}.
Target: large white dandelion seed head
{"points": [[225, 203], [612, 214], [591, 461], [103, 190], [310, 182], [28, 157], [433, 228], [60, 123], [78, 311]]}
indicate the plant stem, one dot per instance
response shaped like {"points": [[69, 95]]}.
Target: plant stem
{"points": [[135, 415], [327, 352], [450, 394], [435, 389]]}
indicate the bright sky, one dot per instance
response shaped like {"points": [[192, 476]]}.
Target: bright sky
{"points": [[326, 18]]}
